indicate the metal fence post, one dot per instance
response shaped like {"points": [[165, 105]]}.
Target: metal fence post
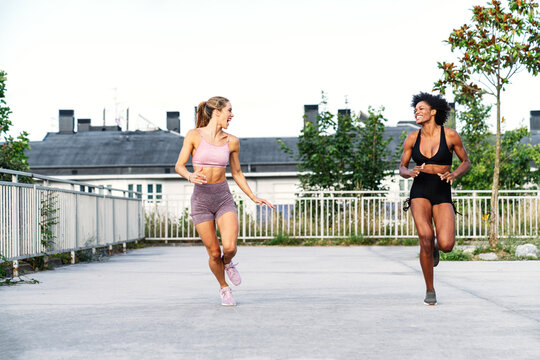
{"points": [[15, 220], [243, 235], [127, 216], [37, 219], [15, 276], [76, 216], [166, 218], [321, 197], [97, 219], [113, 221], [474, 213]]}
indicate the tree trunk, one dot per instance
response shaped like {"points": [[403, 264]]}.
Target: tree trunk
{"points": [[494, 219]]}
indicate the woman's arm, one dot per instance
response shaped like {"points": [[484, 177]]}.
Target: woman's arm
{"points": [[460, 151], [404, 170], [180, 167], [237, 174]]}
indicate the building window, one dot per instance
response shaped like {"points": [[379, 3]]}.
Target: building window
{"points": [[130, 188], [158, 191], [150, 191], [139, 190]]}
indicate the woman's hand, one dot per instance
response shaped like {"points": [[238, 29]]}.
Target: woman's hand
{"points": [[197, 177], [262, 202], [448, 176], [416, 170]]}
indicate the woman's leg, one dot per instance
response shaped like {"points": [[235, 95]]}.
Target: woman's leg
{"points": [[228, 228], [422, 215], [445, 224], [207, 232]]}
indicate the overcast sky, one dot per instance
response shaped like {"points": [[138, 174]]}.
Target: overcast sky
{"points": [[268, 57]]}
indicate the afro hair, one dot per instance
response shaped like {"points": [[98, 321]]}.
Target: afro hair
{"points": [[436, 102]]}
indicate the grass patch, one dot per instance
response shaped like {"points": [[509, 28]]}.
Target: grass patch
{"points": [[5, 269], [354, 240], [456, 255], [283, 240], [359, 240]]}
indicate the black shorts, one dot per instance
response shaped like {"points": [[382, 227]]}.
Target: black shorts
{"points": [[431, 187]]}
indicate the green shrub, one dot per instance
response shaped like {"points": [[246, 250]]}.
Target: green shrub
{"points": [[282, 240], [359, 240], [455, 255], [406, 242], [482, 250]]}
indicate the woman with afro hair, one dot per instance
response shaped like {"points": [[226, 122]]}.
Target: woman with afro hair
{"points": [[431, 147]]}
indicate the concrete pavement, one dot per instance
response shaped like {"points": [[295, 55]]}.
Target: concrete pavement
{"points": [[294, 303]]}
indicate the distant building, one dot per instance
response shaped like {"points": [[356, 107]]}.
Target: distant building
{"points": [[144, 160]]}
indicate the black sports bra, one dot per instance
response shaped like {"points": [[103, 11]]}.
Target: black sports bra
{"points": [[443, 156]]}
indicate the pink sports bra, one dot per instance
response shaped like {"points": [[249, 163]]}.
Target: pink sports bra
{"points": [[208, 155]]}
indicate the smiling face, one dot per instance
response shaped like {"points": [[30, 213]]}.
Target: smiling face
{"points": [[224, 116], [424, 113]]}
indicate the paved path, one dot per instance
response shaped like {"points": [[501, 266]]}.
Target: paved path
{"points": [[295, 303]]}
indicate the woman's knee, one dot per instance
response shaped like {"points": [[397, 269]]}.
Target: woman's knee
{"points": [[426, 241], [214, 254], [229, 251], [445, 244]]}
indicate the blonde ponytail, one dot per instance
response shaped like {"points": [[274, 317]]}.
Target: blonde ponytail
{"points": [[206, 108]]}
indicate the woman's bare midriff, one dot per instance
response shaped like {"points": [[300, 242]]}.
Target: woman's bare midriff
{"points": [[435, 169], [213, 174]]}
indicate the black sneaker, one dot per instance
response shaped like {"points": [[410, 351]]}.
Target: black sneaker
{"points": [[431, 298], [436, 254]]}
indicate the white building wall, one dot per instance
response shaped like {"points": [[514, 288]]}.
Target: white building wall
{"points": [[275, 187], [262, 184]]}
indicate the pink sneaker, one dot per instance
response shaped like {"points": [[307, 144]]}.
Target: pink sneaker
{"points": [[226, 297], [233, 273]]}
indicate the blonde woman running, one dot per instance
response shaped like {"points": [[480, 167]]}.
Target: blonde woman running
{"points": [[211, 149]]}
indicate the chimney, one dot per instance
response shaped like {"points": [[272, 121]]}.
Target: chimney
{"points": [[66, 120], [363, 116], [83, 125], [535, 121], [311, 114], [173, 121]]}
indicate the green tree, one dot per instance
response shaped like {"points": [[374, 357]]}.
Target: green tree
{"points": [[12, 154], [341, 152], [516, 161], [497, 45], [515, 166], [471, 114], [370, 165]]}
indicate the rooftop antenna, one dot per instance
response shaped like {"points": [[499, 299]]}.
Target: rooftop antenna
{"points": [[149, 122], [117, 115], [157, 127]]}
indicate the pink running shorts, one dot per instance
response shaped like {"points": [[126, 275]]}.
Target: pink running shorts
{"points": [[210, 201]]}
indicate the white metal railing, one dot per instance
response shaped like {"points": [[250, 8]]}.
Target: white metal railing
{"points": [[38, 218], [371, 214]]}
